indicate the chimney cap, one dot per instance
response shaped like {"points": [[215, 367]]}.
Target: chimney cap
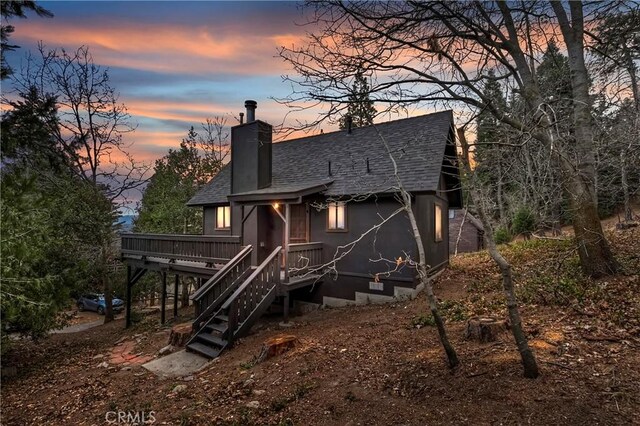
{"points": [[250, 103]]}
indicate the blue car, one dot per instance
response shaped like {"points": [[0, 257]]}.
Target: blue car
{"points": [[95, 302]]}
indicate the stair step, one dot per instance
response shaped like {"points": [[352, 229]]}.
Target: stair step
{"points": [[203, 349], [212, 340], [221, 317], [220, 328]]}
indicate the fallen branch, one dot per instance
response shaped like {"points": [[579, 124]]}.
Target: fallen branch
{"points": [[557, 365], [593, 338]]}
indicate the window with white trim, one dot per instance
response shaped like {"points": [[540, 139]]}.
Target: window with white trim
{"points": [[223, 217], [337, 218], [437, 228]]}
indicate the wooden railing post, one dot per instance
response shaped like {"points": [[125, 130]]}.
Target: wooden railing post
{"points": [[164, 297], [128, 307], [233, 320]]}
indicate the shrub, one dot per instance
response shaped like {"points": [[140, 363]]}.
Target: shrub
{"points": [[425, 320], [524, 222], [502, 235]]}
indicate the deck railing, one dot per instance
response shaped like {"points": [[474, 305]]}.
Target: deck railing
{"points": [[202, 248], [214, 292], [303, 257], [253, 296]]}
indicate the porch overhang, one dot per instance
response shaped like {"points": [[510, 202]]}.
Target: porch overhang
{"points": [[282, 194]]}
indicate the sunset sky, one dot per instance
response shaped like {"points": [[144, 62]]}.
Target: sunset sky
{"points": [[175, 63]]}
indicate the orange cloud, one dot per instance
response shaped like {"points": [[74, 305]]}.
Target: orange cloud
{"points": [[190, 112], [166, 48]]}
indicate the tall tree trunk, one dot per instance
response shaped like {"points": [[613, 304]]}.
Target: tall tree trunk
{"points": [[628, 214], [462, 222], [526, 354], [596, 257], [500, 198], [106, 284], [530, 179], [632, 69], [422, 268], [185, 292], [452, 357]]}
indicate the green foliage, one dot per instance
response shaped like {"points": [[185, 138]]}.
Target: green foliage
{"points": [[556, 291], [453, 310], [502, 235], [55, 226], [177, 177], [47, 236], [554, 79], [361, 109], [450, 310], [10, 9], [524, 222], [424, 320]]}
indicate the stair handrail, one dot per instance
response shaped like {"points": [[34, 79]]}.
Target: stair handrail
{"points": [[252, 277], [233, 320], [246, 250]]}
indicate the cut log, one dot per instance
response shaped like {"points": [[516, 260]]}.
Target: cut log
{"points": [[484, 329], [180, 334], [276, 346]]}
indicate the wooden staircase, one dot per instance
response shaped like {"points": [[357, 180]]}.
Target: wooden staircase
{"points": [[229, 303]]}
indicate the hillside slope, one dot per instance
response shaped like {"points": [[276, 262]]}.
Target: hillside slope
{"points": [[377, 365]]}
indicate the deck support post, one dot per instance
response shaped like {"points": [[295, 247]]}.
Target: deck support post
{"points": [[287, 232], [285, 307], [128, 307], [176, 282], [164, 297]]}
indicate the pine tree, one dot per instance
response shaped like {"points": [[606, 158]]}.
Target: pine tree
{"points": [[489, 156], [361, 109]]}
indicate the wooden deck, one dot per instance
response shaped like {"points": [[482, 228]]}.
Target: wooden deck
{"points": [[214, 260], [201, 256], [181, 267], [297, 281]]}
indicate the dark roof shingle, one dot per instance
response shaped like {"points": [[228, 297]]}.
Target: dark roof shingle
{"points": [[417, 143]]}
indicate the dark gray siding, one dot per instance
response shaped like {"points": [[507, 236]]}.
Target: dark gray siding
{"points": [[263, 229], [391, 241], [437, 252]]}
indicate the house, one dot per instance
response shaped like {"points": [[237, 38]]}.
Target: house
{"points": [[279, 213], [466, 233]]}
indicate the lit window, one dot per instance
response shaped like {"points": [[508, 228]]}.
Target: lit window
{"points": [[337, 217], [223, 217], [437, 223]]}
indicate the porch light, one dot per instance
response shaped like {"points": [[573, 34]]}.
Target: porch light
{"points": [[276, 205]]}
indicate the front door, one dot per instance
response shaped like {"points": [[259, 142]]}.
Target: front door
{"points": [[298, 229]]}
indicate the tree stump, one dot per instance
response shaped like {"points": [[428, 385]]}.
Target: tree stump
{"points": [[180, 334], [276, 346], [484, 329]]}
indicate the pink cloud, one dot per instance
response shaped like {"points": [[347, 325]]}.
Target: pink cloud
{"points": [[167, 48]]}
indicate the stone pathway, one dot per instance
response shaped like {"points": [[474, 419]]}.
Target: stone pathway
{"points": [[122, 354]]}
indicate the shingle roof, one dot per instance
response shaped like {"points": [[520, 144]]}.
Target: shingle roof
{"points": [[417, 143]]}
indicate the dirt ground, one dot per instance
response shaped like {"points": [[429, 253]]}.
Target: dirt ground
{"points": [[371, 365]]}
